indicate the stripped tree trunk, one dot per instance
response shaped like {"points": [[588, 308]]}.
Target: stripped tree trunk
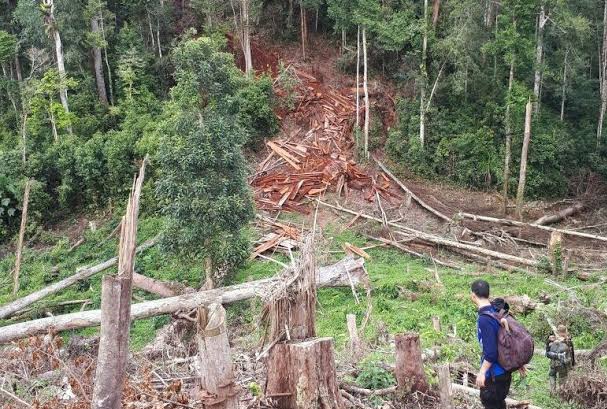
{"points": [[116, 295], [99, 78], [366, 91], [508, 153], [409, 369], [602, 80], [218, 389], [19, 253], [523, 172], [539, 53], [424, 79]]}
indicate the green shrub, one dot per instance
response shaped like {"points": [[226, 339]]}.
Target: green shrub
{"points": [[372, 376], [254, 104]]}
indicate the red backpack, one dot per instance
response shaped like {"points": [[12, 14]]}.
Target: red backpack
{"points": [[514, 342]]}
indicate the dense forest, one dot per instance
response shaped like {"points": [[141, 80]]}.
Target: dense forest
{"points": [[492, 110]]}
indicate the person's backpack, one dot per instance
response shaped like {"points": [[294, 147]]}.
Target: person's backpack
{"points": [[560, 353], [514, 342]]}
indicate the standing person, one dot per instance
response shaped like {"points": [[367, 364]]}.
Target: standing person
{"points": [[559, 349], [492, 379]]}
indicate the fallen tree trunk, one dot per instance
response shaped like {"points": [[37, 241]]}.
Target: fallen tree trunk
{"points": [[11, 308], [553, 218], [345, 273], [413, 195], [455, 387], [415, 253], [439, 240], [508, 222]]}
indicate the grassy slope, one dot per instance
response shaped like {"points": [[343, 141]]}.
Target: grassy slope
{"points": [[393, 276]]}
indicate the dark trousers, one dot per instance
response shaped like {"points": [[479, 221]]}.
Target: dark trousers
{"points": [[493, 395]]}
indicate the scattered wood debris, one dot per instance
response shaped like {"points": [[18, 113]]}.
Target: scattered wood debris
{"points": [[309, 163]]}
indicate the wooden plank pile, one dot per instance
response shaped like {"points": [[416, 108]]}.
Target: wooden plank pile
{"points": [[309, 163]]}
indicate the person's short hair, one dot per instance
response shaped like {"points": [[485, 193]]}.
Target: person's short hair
{"points": [[480, 288]]}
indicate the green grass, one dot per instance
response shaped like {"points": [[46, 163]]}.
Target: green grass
{"points": [[405, 297]]}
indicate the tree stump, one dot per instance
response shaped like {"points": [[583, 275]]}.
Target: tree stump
{"points": [[218, 390], [355, 343], [436, 324], [444, 387], [555, 252], [301, 375], [409, 370]]}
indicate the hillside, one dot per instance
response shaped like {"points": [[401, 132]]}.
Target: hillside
{"points": [[310, 209]]}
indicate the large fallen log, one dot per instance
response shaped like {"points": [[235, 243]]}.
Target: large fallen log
{"points": [[344, 273], [508, 222], [439, 240], [455, 387], [413, 195], [82, 274], [553, 218]]}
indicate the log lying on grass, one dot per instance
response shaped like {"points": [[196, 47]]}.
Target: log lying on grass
{"points": [[82, 274], [553, 218], [413, 195], [407, 231], [508, 222], [347, 272]]}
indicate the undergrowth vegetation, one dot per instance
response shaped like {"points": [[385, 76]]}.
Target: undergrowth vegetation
{"points": [[405, 296]]}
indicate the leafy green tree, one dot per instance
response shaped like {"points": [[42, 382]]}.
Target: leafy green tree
{"points": [[202, 181]]}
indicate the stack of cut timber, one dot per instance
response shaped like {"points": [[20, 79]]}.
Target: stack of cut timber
{"points": [[282, 237], [308, 163]]}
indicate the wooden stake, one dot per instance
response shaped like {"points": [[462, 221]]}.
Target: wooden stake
{"points": [[26, 198], [355, 344], [444, 387], [555, 252], [218, 389], [523, 172], [436, 324], [409, 370]]}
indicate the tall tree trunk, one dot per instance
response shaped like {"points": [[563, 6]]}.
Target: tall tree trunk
{"points": [[152, 37], [19, 252], [158, 38], [539, 53], [18, 67], [424, 75], [358, 80], [290, 14], [24, 137], [100, 79], [564, 86], [246, 36], [508, 153], [366, 91], [61, 69], [107, 62], [53, 122], [304, 28], [343, 40], [435, 12], [523, 172], [602, 79]]}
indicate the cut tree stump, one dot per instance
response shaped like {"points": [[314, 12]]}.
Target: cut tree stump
{"points": [[218, 390], [355, 343], [555, 252], [116, 293], [409, 369], [303, 375], [436, 324], [444, 387]]}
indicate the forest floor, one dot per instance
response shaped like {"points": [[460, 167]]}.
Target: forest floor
{"points": [[406, 292]]}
